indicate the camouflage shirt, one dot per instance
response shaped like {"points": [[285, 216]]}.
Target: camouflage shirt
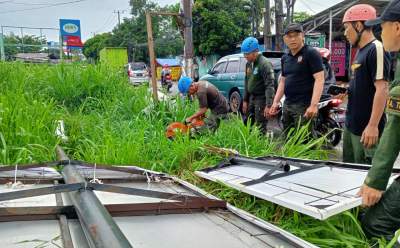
{"points": [[389, 145], [259, 80]]}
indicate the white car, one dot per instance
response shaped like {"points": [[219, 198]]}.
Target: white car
{"points": [[137, 72]]}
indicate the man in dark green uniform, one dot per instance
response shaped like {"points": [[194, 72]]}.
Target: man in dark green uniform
{"points": [[383, 216], [209, 98], [302, 80], [259, 84]]}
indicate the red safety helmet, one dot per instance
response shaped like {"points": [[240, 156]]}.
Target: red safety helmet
{"points": [[359, 12]]}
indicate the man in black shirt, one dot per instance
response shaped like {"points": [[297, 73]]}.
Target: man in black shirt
{"points": [[367, 89], [302, 80]]}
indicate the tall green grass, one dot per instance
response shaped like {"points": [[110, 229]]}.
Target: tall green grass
{"points": [[109, 121]]}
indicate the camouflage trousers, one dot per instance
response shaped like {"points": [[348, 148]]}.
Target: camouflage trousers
{"points": [[293, 116], [383, 219], [256, 112]]}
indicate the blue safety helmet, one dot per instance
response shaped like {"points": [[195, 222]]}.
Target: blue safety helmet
{"points": [[250, 44], [184, 84]]}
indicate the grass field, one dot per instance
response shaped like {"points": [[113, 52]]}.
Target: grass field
{"points": [[108, 121]]}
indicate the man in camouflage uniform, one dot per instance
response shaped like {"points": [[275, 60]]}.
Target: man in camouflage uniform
{"points": [[383, 216], [259, 84], [302, 80]]}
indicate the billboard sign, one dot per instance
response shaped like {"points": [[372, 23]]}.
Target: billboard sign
{"points": [[70, 31]]}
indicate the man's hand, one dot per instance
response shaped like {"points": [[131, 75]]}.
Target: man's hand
{"points": [[266, 112], [370, 196], [189, 120], [370, 136], [274, 109], [311, 111], [244, 107]]}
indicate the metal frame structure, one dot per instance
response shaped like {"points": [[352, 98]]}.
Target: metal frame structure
{"points": [[95, 217], [334, 14], [21, 28], [306, 186]]}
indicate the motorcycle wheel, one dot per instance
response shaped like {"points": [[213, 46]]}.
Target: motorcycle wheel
{"points": [[332, 130]]}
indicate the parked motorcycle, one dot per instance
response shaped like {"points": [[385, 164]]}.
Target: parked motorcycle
{"points": [[329, 121]]}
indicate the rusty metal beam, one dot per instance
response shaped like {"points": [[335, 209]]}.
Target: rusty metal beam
{"points": [[18, 194], [132, 209], [63, 222], [99, 227]]}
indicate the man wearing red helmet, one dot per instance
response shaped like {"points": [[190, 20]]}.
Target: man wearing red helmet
{"points": [[367, 88]]}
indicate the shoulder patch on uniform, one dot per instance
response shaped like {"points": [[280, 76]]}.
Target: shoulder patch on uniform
{"points": [[393, 104], [255, 71]]}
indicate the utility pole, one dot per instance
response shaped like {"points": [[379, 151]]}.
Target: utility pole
{"points": [[267, 25], [152, 56], [119, 12], [279, 24], [188, 36]]}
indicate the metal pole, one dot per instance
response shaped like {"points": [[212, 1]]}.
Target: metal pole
{"points": [[97, 223], [150, 42], [267, 25], [330, 30], [2, 54], [22, 40], [61, 46], [188, 53]]}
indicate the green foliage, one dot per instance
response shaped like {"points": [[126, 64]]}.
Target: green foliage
{"points": [[132, 34], [93, 46], [301, 16], [14, 44], [219, 25], [110, 122]]}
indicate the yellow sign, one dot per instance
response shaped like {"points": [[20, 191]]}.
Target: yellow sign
{"points": [[175, 72]]}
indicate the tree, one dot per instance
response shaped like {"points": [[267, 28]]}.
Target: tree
{"points": [[14, 44], [301, 16], [92, 46], [132, 34], [219, 25]]}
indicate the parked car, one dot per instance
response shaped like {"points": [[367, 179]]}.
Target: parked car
{"points": [[228, 76], [137, 72]]}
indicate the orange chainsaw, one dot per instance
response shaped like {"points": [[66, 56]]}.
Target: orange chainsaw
{"points": [[183, 128]]}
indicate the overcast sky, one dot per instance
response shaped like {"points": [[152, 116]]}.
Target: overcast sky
{"points": [[96, 16]]}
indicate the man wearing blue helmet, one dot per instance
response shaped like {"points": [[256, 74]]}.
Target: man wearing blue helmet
{"points": [[259, 84], [209, 98]]}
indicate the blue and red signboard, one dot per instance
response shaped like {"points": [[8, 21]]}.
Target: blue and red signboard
{"points": [[70, 31]]}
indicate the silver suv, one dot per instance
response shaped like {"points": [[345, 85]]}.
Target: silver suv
{"points": [[137, 72]]}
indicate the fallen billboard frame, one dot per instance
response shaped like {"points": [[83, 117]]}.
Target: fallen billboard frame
{"points": [[156, 195], [319, 189]]}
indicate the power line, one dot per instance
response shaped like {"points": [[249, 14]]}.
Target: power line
{"points": [[106, 23], [42, 7]]}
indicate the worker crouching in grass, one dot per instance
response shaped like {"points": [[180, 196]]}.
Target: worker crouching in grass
{"points": [[209, 98]]}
